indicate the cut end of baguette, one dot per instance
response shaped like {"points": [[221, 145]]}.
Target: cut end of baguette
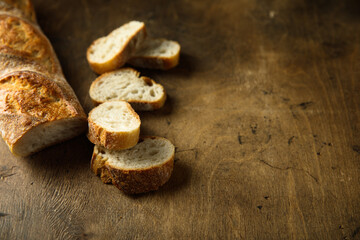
{"points": [[112, 51], [114, 125], [156, 53], [48, 134], [125, 84], [143, 168]]}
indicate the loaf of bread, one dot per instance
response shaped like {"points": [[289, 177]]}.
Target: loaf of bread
{"points": [[38, 108], [20, 8], [143, 168], [143, 93]]}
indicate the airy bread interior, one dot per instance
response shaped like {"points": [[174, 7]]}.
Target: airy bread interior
{"points": [[157, 48], [149, 152], [115, 116], [108, 47], [125, 84], [48, 134]]}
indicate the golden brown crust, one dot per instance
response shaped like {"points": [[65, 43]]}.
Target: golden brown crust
{"points": [[110, 140], [21, 39], [136, 180], [141, 181], [121, 57], [33, 90], [97, 165], [113, 140], [28, 99], [25, 6]]}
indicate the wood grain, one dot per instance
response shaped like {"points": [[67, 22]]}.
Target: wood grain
{"points": [[263, 110]]}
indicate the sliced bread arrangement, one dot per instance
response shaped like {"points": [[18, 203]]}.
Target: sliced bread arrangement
{"points": [[112, 51], [119, 157], [143, 168], [129, 44], [142, 93], [133, 164]]}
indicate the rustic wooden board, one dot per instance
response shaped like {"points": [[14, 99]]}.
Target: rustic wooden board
{"points": [[263, 110]]}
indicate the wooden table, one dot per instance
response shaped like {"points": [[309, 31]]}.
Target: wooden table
{"points": [[263, 109]]}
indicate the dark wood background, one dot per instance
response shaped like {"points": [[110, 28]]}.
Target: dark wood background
{"points": [[263, 109]]}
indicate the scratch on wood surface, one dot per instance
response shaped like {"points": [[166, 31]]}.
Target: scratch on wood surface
{"points": [[268, 139], [239, 139], [291, 140], [153, 214], [185, 150], [356, 148], [4, 214], [85, 236], [329, 106], [305, 105], [325, 96], [188, 150], [265, 92], [292, 111], [294, 207], [209, 191], [319, 180], [290, 168], [316, 157], [344, 105], [6, 172]]}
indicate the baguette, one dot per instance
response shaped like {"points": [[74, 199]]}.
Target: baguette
{"points": [[38, 108], [22, 8], [114, 125], [125, 84], [143, 168], [112, 51], [156, 54]]}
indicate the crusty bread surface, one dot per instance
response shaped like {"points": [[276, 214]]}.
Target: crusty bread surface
{"points": [[156, 53], [143, 168], [24, 6], [112, 51], [38, 108], [142, 93], [114, 125]]}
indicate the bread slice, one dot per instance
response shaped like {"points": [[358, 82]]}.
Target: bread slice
{"points": [[143, 168], [143, 93], [112, 51], [156, 53], [114, 125]]}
